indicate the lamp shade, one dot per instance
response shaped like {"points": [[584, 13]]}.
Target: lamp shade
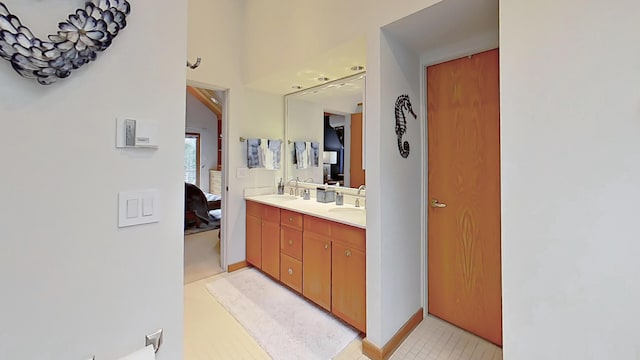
{"points": [[330, 157]]}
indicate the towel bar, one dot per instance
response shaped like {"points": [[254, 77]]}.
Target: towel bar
{"points": [[243, 139]]}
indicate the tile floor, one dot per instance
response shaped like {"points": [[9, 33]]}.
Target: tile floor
{"points": [[212, 333]]}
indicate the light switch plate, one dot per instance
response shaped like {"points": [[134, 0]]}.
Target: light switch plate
{"points": [[138, 207]]}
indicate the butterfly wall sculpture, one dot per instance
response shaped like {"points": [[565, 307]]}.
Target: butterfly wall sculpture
{"points": [[79, 39]]}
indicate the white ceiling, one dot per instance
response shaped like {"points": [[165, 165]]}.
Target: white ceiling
{"points": [[334, 64], [446, 22]]}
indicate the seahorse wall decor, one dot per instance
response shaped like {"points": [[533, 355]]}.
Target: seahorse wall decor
{"points": [[403, 103]]}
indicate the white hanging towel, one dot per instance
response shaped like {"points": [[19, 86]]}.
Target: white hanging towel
{"points": [[263, 150], [308, 155], [272, 159], [302, 160], [147, 353]]}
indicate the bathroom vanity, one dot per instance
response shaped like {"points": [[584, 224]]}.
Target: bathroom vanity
{"points": [[316, 249]]}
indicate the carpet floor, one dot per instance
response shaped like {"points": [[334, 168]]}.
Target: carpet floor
{"points": [[201, 255], [212, 225], [285, 325]]}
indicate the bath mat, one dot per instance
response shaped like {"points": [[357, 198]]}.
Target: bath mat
{"points": [[286, 326]]}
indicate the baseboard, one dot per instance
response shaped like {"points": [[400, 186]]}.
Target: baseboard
{"points": [[237, 266], [375, 353]]}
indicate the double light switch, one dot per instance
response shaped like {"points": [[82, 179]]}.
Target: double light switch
{"points": [[138, 207]]}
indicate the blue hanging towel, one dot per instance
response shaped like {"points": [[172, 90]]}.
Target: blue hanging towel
{"points": [[254, 158], [314, 158]]}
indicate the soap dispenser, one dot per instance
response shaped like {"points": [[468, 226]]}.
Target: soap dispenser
{"points": [[339, 198], [280, 187]]}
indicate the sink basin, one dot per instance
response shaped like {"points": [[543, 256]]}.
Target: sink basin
{"points": [[282, 197], [347, 210]]}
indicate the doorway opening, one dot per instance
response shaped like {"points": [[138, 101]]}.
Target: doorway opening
{"points": [[204, 245]]}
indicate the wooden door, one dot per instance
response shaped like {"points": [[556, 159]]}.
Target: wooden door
{"points": [[271, 248], [316, 269], [254, 243], [463, 112], [348, 281], [356, 173]]}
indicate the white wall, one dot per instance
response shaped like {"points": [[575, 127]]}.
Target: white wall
{"points": [[201, 120], [398, 202], [73, 283], [570, 179], [254, 115], [382, 319]]}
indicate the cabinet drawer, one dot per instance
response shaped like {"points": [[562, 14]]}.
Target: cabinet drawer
{"points": [[349, 235], [291, 218], [291, 272], [291, 242], [316, 225], [271, 213]]}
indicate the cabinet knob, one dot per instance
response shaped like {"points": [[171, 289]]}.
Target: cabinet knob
{"points": [[347, 253], [326, 246], [290, 242], [290, 271], [290, 219]]}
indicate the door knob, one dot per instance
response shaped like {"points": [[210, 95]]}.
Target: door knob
{"points": [[437, 204]]}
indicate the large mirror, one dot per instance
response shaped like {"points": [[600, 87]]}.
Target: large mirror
{"points": [[328, 120]]}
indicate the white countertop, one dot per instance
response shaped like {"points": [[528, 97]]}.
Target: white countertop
{"points": [[345, 214]]}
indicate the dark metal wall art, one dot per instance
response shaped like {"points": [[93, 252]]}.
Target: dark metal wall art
{"points": [[403, 104], [79, 39]]}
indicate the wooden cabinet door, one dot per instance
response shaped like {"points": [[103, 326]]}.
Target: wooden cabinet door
{"points": [[254, 243], [271, 248], [348, 277], [316, 269], [357, 173]]}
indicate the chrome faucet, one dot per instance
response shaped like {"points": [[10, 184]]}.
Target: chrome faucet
{"points": [[291, 190], [360, 188]]}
